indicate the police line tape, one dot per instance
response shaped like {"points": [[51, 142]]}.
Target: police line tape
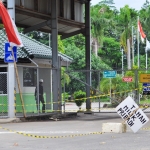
{"points": [[79, 110], [52, 137], [146, 128], [56, 137], [59, 102], [145, 106]]}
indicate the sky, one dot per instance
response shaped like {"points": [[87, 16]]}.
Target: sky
{"points": [[137, 4]]}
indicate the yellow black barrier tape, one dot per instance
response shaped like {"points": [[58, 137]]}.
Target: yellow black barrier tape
{"points": [[91, 97], [147, 128], [56, 137], [145, 106], [52, 137]]}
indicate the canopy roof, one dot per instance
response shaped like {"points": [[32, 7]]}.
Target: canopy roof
{"points": [[36, 15], [31, 49]]}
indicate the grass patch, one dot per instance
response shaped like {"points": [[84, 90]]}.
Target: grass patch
{"points": [[147, 101]]}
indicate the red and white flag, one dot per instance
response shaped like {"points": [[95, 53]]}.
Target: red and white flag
{"points": [[142, 34], [10, 27], [147, 48]]}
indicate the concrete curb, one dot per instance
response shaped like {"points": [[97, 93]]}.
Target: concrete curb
{"points": [[9, 120]]}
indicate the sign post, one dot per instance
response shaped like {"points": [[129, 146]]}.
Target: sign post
{"points": [[145, 78], [8, 53], [109, 74], [127, 79], [130, 112], [10, 57], [146, 88]]}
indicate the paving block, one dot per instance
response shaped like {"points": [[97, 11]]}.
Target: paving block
{"points": [[114, 127]]}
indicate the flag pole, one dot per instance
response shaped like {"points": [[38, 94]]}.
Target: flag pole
{"points": [[138, 44], [132, 46], [146, 58]]}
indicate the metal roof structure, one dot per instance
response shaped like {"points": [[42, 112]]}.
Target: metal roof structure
{"points": [[36, 15], [32, 48]]}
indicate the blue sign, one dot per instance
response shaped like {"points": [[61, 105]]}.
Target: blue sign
{"points": [[146, 88], [8, 53], [109, 74]]}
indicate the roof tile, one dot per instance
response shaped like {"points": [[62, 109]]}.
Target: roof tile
{"points": [[31, 47]]}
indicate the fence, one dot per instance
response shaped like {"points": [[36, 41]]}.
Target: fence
{"points": [[106, 92]]}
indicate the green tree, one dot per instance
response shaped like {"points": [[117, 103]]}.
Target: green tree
{"points": [[110, 3], [77, 67], [1, 26], [101, 17], [127, 17], [146, 5], [110, 52]]}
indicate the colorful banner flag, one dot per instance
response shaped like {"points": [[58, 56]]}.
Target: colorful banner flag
{"points": [[10, 27], [142, 34]]}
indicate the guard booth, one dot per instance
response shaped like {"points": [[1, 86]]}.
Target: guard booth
{"points": [[33, 63]]}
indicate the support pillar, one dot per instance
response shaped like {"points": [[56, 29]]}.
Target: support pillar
{"points": [[11, 72], [59, 85], [54, 44], [88, 53]]}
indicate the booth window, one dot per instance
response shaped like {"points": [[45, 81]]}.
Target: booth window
{"points": [[29, 77], [3, 80]]}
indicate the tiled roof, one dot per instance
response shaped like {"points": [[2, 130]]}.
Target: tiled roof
{"points": [[31, 47], [3, 39]]}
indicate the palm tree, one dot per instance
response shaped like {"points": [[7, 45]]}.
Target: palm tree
{"points": [[144, 14], [100, 18], [126, 19]]}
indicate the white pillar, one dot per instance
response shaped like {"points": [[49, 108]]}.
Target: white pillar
{"points": [[146, 58], [122, 61], [11, 72], [128, 55], [132, 46]]}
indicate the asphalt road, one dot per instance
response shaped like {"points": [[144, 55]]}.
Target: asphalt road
{"points": [[77, 133]]}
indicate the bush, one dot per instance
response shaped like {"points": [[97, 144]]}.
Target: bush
{"points": [[78, 97], [65, 96]]}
